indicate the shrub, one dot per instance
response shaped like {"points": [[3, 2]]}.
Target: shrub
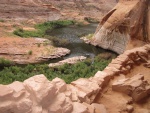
{"points": [[4, 62], [106, 56], [1, 20], [30, 52], [58, 41], [24, 33], [42, 28], [66, 72]]}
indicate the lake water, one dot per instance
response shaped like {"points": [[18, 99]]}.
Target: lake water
{"points": [[77, 46]]}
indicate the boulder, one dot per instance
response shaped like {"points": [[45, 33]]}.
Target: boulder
{"points": [[90, 89], [60, 84], [15, 99], [129, 109], [40, 89], [135, 87], [79, 108], [60, 104]]}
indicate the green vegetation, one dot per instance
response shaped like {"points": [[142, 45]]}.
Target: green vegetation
{"points": [[4, 62], [89, 36], [30, 52], [1, 20], [24, 33], [58, 41], [43, 27], [67, 72]]}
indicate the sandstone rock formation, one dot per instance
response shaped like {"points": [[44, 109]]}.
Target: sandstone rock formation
{"points": [[71, 60], [135, 87], [127, 21], [29, 50], [44, 10], [39, 95]]}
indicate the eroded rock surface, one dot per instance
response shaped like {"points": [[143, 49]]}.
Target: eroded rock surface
{"points": [[53, 9], [122, 25], [71, 60], [29, 50], [39, 95], [136, 87]]}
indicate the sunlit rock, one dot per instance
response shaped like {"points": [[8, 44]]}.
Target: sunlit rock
{"points": [[123, 24]]}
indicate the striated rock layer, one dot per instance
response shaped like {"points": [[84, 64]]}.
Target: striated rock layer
{"points": [[33, 50], [71, 60], [39, 95], [47, 10], [128, 20]]}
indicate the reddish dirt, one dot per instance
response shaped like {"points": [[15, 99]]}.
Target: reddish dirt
{"points": [[26, 50], [116, 102]]}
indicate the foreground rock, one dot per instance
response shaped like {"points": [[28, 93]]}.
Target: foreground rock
{"points": [[29, 50], [136, 87], [39, 95], [115, 31], [71, 60]]}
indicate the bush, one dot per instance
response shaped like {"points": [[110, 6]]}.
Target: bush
{"points": [[1, 20], [58, 41], [66, 72], [106, 56], [4, 62], [24, 33], [30, 52], [54, 24], [42, 28]]}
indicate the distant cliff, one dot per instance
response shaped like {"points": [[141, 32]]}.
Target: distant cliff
{"points": [[53, 9]]}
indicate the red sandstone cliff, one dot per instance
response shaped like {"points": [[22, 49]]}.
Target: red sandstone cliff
{"points": [[129, 20]]}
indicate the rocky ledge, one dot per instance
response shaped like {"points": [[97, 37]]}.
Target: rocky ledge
{"points": [[71, 60], [29, 50], [39, 95]]}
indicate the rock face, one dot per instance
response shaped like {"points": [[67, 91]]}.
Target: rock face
{"points": [[39, 95], [53, 9], [33, 50], [135, 87], [71, 60], [123, 24]]}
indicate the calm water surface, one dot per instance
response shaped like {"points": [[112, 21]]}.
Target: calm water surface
{"points": [[76, 45]]}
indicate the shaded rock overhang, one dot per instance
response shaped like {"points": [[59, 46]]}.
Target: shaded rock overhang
{"points": [[128, 20]]}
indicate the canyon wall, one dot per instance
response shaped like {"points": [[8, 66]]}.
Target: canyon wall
{"points": [[128, 20], [53, 9]]}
